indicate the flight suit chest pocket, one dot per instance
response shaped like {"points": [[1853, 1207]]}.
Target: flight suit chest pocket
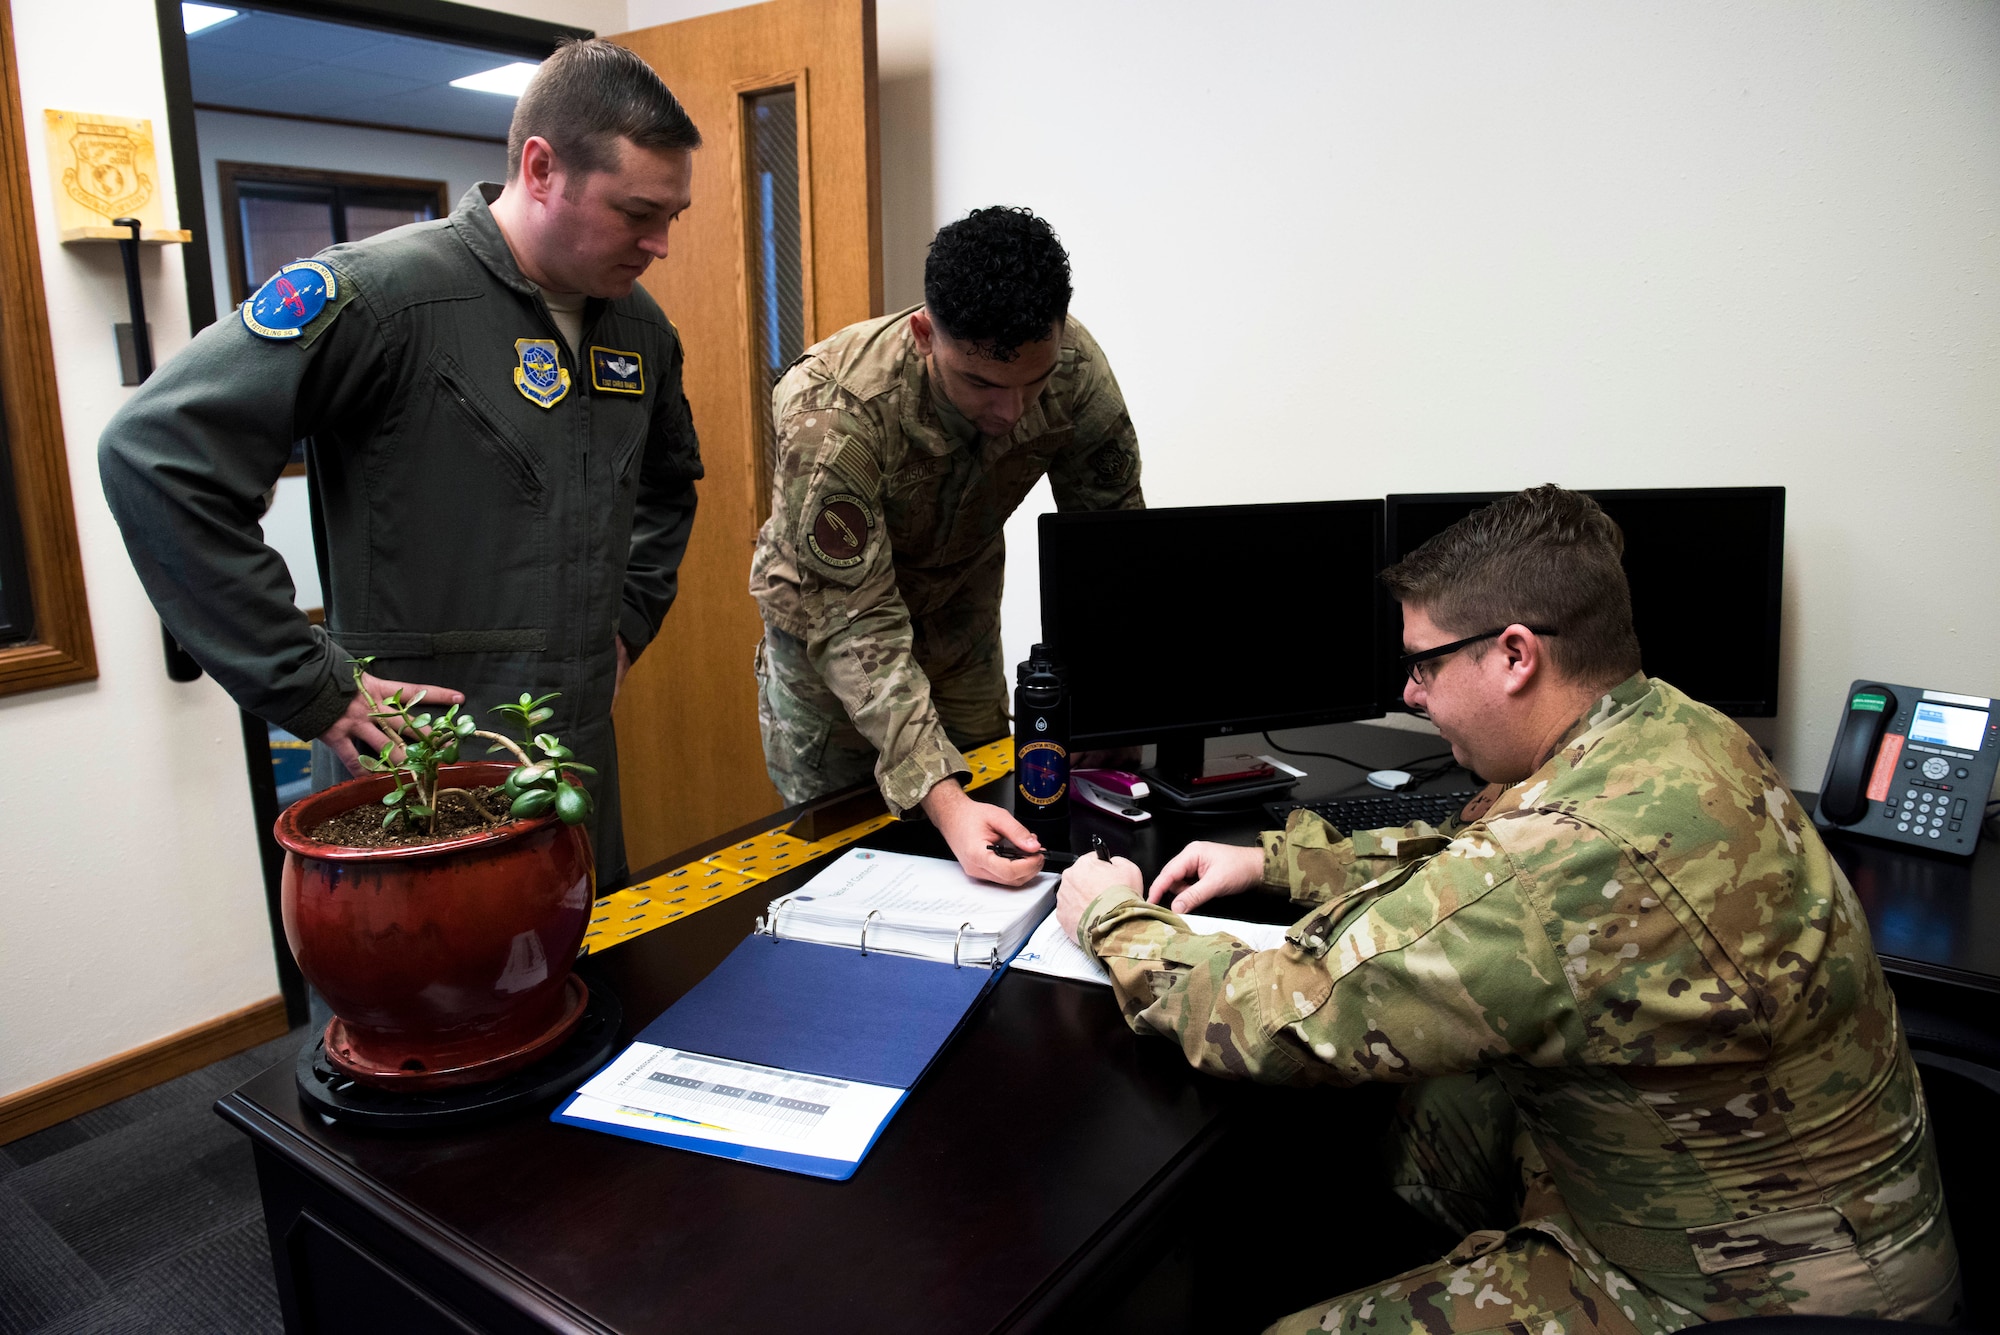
{"points": [[483, 424], [629, 431]]}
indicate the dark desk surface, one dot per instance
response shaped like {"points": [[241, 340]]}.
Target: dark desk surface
{"points": [[1043, 1139]]}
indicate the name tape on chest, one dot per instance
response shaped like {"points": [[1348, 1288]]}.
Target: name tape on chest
{"points": [[290, 300], [614, 371], [540, 377], [839, 533]]}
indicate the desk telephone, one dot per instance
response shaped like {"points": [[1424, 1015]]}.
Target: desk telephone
{"points": [[1911, 766]]}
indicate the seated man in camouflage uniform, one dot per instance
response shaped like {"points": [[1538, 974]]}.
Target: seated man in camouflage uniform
{"points": [[904, 445], [1659, 1076]]}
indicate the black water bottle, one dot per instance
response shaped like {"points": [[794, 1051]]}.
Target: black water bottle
{"points": [[1041, 738]]}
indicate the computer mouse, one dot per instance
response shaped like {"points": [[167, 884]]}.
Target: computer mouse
{"points": [[1392, 779]]}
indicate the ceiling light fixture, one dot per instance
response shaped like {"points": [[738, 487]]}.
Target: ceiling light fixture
{"points": [[194, 18], [507, 80]]}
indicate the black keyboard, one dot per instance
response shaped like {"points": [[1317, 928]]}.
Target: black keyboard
{"points": [[1387, 811]]}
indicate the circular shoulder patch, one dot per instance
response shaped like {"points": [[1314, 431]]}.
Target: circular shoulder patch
{"points": [[285, 305], [840, 531]]}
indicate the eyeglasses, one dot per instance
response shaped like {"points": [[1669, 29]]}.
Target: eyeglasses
{"points": [[1413, 664]]}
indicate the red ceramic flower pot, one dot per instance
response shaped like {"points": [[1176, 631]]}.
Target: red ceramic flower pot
{"points": [[447, 964]]}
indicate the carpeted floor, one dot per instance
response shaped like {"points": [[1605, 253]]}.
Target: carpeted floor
{"points": [[141, 1216]]}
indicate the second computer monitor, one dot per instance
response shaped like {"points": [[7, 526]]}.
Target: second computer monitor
{"points": [[1706, 566], [1179, 623]]}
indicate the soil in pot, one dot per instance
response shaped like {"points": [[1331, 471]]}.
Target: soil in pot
{"points": [[462, 811]]}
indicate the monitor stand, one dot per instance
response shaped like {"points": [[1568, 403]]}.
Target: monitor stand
{"points": [[1183, 756]]}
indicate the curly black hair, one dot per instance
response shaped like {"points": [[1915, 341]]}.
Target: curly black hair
{"points": [[997, 278]]}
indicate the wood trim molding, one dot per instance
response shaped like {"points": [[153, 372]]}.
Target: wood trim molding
{"points": [[62, 650], [67, 1096]]}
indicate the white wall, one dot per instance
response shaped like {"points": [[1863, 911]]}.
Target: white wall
{"points": [[131, 901], [1343, 250]]}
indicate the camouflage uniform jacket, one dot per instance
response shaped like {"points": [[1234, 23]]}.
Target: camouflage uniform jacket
{"points": [[1649, 944], [888, 508]]}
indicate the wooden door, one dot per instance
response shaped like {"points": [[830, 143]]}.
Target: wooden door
{"points": [[690, 762]]}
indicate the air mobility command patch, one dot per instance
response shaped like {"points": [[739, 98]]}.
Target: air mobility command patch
{"points": [[840, 532], [290, 300], [617, 372], [540, 377]]}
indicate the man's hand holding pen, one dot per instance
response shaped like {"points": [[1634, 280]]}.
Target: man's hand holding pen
{"points": [[1090, 877]]}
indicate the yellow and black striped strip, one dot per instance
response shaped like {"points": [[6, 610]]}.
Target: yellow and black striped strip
{"points": [[670, 896]]}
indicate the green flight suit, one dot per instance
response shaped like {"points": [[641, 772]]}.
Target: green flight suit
{"points": [[879, 571], [1666, 986], [473, 537]]}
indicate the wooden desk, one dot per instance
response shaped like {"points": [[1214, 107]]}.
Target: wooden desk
{"points": [[1048, 1161], [1050, 1166]]}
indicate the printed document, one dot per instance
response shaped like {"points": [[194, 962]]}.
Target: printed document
{"points": [[736, 1103], [1049, 951]]}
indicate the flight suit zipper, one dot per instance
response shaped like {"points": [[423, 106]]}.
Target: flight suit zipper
{"points": [[519, 460]]}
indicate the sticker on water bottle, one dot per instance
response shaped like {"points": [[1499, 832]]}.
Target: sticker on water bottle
{"points": [[1042, 769]]}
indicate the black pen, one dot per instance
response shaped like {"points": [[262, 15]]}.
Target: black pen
{"points": [[1050, 858]]}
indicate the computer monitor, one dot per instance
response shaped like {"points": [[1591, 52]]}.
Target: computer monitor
{"points": [[1706, 566], [1178, 624]]}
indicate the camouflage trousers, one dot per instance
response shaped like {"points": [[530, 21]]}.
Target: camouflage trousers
{"points": [[1459, 1155], [811, 748]]}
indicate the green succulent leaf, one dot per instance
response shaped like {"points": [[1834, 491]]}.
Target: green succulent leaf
{"points": [[391, 798], [418, 812], [464, 725], [534, 802], [572, 803], [540, 716], [571, 767], [370, 763], [530, 775]]}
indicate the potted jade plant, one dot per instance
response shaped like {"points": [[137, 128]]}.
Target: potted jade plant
{"points": [[438, 905]]}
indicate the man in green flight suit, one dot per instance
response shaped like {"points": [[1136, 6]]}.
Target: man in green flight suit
{"points": [[1658, 1075], [501, 456], [904, 444]]}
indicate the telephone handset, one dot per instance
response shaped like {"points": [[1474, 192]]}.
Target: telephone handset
{"points": [[1911, 766]]}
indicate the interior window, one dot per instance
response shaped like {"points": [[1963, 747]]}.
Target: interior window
{"points": [[280, 214]]}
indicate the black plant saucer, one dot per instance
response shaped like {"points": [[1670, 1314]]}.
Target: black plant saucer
{"points": [[337, 1097]]}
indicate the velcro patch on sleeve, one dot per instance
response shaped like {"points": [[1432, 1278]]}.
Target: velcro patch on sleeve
{"points": [[841, 523]]}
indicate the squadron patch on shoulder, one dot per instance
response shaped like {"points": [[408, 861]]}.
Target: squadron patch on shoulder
{"points": [[617, 372], [839, 532], [540, 377], [1112, 463], [290, 299]]}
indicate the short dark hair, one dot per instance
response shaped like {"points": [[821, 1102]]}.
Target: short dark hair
{"points": [[997, 278], [587, 96], [1541, 557]]}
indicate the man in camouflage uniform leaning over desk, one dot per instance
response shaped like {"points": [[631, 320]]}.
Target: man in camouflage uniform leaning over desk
{"points": [[1658, 1076], [904, 445]]}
